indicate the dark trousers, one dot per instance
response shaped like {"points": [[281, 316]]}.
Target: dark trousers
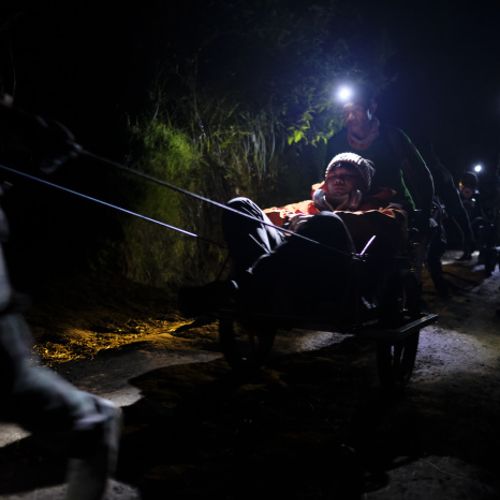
{"points": [[72, 422], [436, 249], [286, 272], [248, 240]]}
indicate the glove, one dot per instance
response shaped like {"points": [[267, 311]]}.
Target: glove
{"points": [[54, 145], [27, 139], [296, 221]]}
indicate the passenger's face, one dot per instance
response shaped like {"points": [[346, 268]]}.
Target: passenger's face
{"points": [[357, 119], [467, 192], [342, 181]]}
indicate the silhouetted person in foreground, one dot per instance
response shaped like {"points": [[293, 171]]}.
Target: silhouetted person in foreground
{"points": [[83, 426]]}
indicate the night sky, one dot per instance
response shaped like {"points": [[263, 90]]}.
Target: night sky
{"points": [[90, 66], [449, 79]]}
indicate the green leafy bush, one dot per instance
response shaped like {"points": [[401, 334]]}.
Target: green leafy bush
{"points": [[243, 111]]}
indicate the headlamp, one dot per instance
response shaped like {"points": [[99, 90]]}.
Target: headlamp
{"points": [[344, 94]]}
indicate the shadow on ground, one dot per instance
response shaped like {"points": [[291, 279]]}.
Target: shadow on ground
{"points": [[309, 425]]}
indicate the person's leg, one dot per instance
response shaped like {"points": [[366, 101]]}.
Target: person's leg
{"points": [[299, 275], [80, 425], [437, 247], [247, 239], [95, 452]]}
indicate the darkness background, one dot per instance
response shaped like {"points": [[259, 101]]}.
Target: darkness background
{"points": [[92, 66]]}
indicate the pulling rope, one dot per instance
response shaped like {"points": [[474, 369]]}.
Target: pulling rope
{"points": [[199, 197], [177, 189], [107, 204]]}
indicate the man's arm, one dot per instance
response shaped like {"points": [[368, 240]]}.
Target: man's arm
{"points": [[281, 215], [416, 174]]}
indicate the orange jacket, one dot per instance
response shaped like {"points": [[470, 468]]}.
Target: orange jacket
{"points": [[374, 217]]}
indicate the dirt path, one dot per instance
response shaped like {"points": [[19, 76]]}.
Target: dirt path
{"points": [[313, 424]]}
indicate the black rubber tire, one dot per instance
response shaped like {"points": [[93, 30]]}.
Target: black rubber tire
{"points": [[396, 359], [245, 345], [395, 362]]}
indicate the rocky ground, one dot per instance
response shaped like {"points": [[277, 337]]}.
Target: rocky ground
{"points": [[312, 424]]}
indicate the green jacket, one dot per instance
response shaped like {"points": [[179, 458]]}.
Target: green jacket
{"points": [[398, 165]]}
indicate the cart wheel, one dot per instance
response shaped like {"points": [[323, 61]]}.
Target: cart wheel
{"points": [[395, 361], [245, 344]]}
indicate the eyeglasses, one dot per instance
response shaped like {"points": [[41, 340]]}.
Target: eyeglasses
{"points": [[343, 177]]}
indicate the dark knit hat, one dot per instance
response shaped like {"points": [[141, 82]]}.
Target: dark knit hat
{"points": [[365, 168], [470, 180]]}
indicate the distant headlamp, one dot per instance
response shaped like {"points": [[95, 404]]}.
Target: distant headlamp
{"points": [[478, 168]]}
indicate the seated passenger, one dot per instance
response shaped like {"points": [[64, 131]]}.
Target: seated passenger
{"points": [[346, 192], [279, 272]]}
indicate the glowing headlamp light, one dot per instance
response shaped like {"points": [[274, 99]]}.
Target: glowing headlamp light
{"points": [[344, 93]]}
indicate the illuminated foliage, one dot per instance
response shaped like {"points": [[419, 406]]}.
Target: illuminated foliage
{"points": [[243, 107]]}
